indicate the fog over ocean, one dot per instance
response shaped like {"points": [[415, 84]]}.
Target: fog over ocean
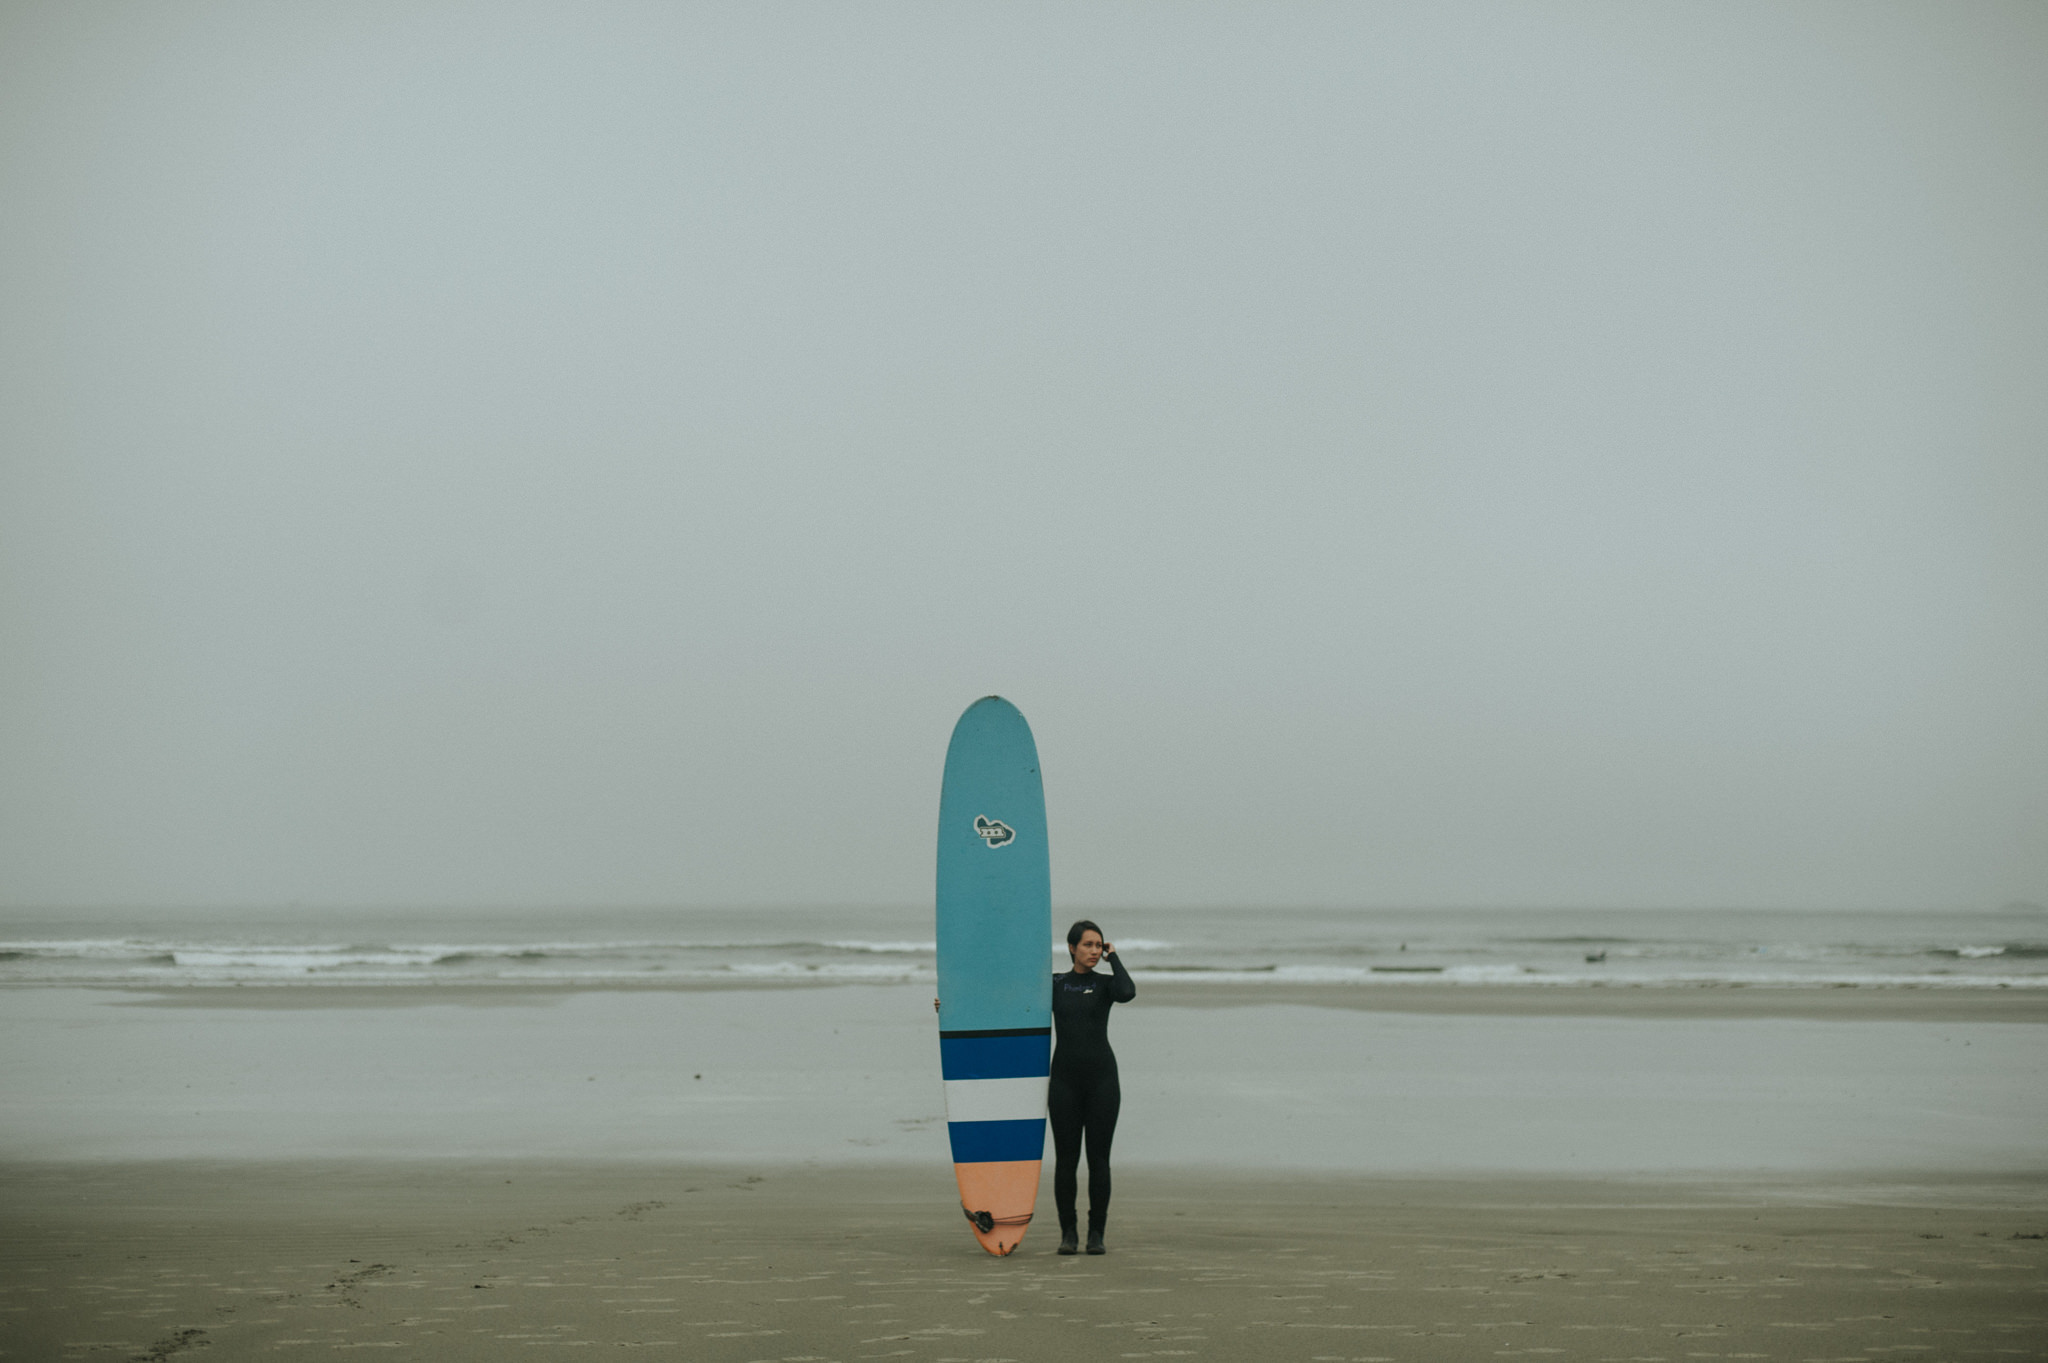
{"points": [[1392, 454]]}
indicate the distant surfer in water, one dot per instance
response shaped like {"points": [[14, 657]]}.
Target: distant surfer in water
{"points": [[1083, 1097]]}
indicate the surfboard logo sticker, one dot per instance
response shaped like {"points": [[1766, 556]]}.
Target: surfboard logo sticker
{"points": [[994, 832]]}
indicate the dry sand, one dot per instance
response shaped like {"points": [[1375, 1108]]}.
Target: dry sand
{"points": [[541, 1260]]}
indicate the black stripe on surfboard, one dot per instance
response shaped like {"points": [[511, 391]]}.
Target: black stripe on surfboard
{"points": [[998, 1031]]}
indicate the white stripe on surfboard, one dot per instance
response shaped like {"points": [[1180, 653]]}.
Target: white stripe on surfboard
{"points": [[994, 1100]]}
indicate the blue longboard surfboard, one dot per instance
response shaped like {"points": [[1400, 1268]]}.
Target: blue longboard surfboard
{"points": [[995, 992]]}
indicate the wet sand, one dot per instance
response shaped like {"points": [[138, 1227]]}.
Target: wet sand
{"points": [[525, 1260], [848, 1076]]}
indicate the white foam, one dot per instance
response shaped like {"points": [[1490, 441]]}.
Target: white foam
{"points": [[783, 970], [1442, 949], [1521, 977]]}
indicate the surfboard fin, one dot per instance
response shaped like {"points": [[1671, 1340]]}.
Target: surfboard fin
{"points": [[985, 1222]]}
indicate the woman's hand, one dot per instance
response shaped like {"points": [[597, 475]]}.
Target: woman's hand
{"points": [[1109, 948]]}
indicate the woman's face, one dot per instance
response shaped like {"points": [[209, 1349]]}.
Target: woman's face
{"points": [[1088, 954]]}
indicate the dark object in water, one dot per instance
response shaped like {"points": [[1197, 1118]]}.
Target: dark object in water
{"points": [[1595, 957]]}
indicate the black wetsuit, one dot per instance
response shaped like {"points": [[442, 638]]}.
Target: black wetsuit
{"points": [[1083, 1094]]}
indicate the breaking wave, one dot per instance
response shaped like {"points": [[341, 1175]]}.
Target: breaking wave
{"points": [[1197, 948]]}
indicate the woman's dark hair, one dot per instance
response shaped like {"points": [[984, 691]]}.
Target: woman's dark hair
{"points": [[1081, 926]]}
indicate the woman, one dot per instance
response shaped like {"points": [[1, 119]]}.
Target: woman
{"points": [[1083, 1096]]}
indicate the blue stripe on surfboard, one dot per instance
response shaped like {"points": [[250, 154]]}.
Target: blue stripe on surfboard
{"points": [[988, 1142], [995, 1057]]}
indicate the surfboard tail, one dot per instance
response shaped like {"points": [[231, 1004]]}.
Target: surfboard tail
{"points": [[998, 1197], [995, 1109]]}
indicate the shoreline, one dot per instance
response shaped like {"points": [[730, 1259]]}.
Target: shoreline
{"points": [[1843, 1002], [415, 1187]]}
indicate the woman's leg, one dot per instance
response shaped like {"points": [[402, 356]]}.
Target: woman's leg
{"points": [[1063, 1107], [1104, 1102]]}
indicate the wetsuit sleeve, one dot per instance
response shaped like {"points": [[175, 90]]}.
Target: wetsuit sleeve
{"points": [[1122, 988]]}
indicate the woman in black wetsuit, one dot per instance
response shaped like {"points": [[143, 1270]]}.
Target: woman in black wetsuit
{"points": [[1083, 1097]]}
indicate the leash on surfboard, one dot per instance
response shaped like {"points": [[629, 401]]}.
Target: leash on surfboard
{"points": [[986, 1221]]}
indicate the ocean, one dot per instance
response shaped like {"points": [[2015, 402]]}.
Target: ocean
{"points": [[782, 1036], [1369, 948]]}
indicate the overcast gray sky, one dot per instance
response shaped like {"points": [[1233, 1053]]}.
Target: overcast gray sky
{"points": [[1394, 454]]}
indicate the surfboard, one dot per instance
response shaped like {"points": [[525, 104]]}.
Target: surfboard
{"points": [[995, 975]]}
